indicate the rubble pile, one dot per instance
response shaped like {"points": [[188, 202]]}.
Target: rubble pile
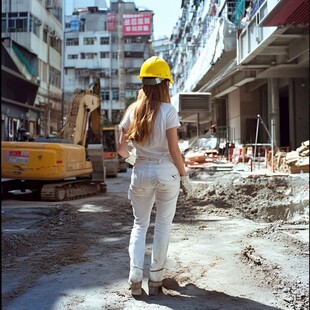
{"points": [[293, 162]]}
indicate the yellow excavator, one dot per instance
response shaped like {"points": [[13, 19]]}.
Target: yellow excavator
{"points": [[64, 167]]}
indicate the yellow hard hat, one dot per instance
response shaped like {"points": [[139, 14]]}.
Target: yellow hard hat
{"points": [[155, 67]]}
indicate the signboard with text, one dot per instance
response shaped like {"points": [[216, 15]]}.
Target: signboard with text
{"points": [[111, 21], [137, 24]]}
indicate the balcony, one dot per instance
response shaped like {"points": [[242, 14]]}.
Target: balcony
{"points": [[216, 54], [275, 42]]}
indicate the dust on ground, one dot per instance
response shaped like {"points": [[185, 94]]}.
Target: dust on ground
{"points": [[241, 242]]}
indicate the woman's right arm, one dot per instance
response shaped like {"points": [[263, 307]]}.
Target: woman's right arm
{"points": [[122, 145]]}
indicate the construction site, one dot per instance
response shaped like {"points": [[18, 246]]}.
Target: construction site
{"points": [[241, 242], [242, 239]]}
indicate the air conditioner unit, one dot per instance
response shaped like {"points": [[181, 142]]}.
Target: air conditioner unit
{"points": [[194, 102]]}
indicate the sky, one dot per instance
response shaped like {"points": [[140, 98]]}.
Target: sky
{"points": [[166, 12]]}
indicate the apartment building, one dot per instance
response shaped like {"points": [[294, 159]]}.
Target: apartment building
{"points": [[31, 34], [163, 48], [109, 44], [253, 56]]}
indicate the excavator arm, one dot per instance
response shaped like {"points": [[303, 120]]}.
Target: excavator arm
{"points": [[84, 108]]}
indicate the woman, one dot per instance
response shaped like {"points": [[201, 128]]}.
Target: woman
{"points": [[150, 124]]}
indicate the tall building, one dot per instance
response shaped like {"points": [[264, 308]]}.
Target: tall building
{"points": [[109, 44], [32, 35], [163, 47], [253, 57]]}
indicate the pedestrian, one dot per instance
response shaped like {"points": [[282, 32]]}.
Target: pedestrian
{"points": [[150, 124]]}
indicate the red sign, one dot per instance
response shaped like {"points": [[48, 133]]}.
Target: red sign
{"points": [[137, 24], [111, 21], [19, 153], [16, 156]]}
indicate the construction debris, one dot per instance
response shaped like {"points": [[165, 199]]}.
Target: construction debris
{"points": [[294, 161]]}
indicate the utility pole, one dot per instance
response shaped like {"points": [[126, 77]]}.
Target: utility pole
{"points": [[47, 106], [63, 63], [121, 70]]}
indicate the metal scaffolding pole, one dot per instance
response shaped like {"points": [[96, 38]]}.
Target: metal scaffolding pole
{"points": [[121, 70]]}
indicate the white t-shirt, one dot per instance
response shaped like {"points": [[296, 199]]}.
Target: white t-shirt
{"points": [[157, 147]]}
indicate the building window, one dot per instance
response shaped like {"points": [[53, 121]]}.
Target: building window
{"points": [[82, 72], [138, 40], [104, 55], [105, 95], [12, 22], [73, 56], [96, 72], [134, 54], [131, 94], [115, 94], [11, 25], [55, 41], [72, 41], [17, 22], [134, 39], [134, 71], [45, 33], [133, 86], [88, 55], [104, 73], [22, 22], [114, 71], [3, 23], [114, 56], [33, 21], [55, 77], [104, 40], [89, 41]]}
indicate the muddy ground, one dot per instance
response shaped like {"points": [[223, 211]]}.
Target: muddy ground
{"points": [[242, 242]]}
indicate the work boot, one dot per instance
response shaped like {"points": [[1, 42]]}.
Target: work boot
{"points": [[135, 280], [155, 282]]}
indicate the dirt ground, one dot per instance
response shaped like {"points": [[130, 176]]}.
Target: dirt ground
{"points": [[242, 242]]}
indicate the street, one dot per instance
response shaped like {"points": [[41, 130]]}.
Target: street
{"points": [[239, 243]]}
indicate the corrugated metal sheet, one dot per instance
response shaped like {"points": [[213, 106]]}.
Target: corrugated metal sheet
{"points": [[289, 12]]}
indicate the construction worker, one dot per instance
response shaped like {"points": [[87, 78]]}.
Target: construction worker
{"points": [[150, 124]]}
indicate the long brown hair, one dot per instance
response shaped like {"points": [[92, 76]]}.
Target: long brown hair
{"points": [[148, 102]]}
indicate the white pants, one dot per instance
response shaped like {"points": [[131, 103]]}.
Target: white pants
{"points": [[152, 182]]}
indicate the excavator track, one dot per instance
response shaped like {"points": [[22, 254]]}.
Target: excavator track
{"points": [[70, 190]]}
